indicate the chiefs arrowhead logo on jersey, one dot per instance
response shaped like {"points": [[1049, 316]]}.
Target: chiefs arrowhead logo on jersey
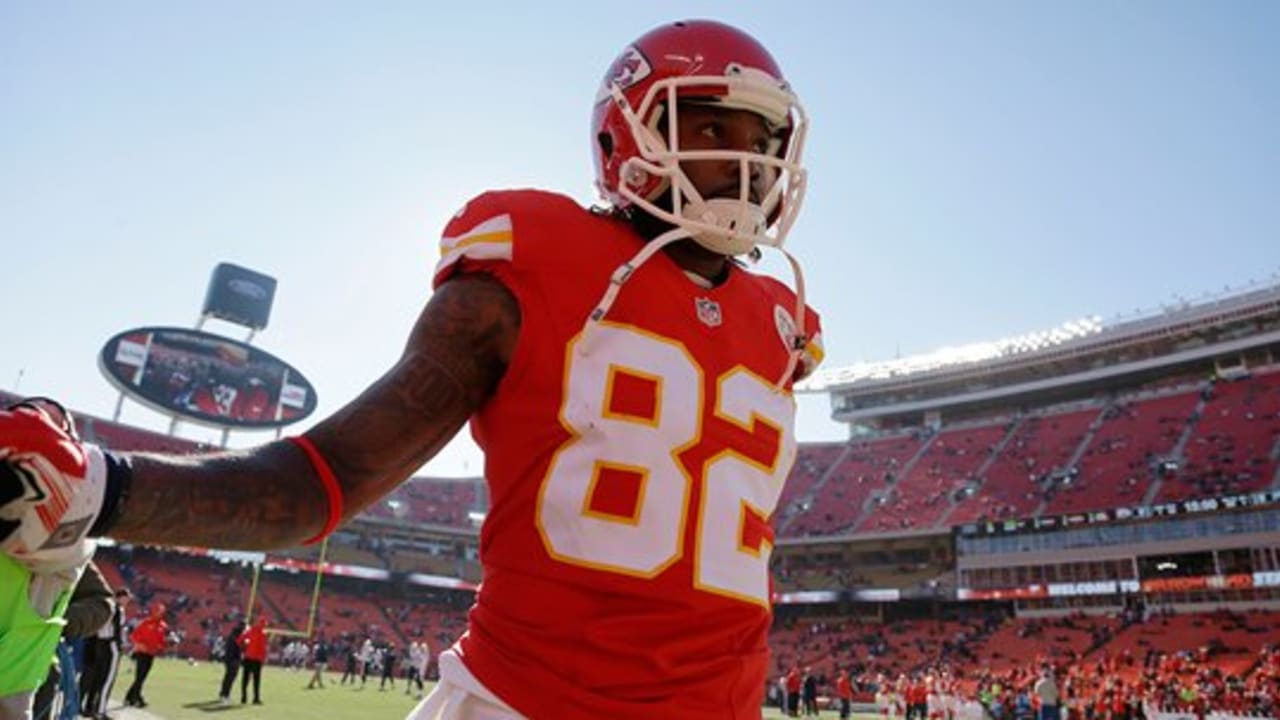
{"points": [[786, 327], [630, 68]]}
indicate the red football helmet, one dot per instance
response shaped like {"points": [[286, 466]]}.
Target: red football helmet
{"points": [[708, 63]]}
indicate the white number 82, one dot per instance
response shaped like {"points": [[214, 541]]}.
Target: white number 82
{"points": [[652, 538]]}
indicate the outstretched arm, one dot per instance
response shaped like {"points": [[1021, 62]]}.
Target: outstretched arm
{"points": [[269, 496]]}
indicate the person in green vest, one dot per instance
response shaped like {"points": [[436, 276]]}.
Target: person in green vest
{"points": [[32, 617]]}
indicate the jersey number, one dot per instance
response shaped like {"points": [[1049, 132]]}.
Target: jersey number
{"points": [[616, 496]]}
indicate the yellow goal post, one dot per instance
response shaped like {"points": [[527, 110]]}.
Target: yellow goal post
{"points": [[257, 560]]}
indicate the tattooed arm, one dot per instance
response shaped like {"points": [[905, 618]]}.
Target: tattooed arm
{"points": [[270, 497]]}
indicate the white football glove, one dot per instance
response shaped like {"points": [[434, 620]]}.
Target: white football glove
{"points": [[52, 488]]}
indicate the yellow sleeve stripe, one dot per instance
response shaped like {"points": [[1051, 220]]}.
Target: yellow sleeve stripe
{"points": [[813, 355], [490, 240], [814, 350], [498, 236], [495, 229]]}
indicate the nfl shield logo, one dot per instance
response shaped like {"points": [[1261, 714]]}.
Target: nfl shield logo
{"points": [[708, 311]]}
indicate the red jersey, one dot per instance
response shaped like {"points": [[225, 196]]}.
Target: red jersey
{"points": [[632, 470], [844, 689], [149, 636], [253, 642]]}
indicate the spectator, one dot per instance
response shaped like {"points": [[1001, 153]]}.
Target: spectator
{"points": [[102, 660], [319, 664], [1046, 690], [810, 693], [149, 639], [388, 667], [232, 656], [253, 642], [793, 692], [844, 691], [353, 658], [417, 667]]}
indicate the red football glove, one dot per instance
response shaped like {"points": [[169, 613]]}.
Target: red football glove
{"points": [[51, 487]]}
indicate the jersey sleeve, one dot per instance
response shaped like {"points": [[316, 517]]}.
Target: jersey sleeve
{"points": [[813, 353], [480, 237]]}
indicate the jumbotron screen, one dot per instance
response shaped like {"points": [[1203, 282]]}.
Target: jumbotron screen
{"points": [[206, 378]]}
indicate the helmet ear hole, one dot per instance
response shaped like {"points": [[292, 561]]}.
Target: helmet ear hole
{"points": [[606, 144]]}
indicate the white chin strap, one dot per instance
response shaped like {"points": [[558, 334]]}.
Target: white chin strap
{"points": [[795, 344], [624, 271]]}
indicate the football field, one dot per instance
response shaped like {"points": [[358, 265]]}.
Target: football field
{"points": [[176, 690]]}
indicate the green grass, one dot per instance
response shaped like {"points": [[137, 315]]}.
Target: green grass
{"points": [[176, 690]]}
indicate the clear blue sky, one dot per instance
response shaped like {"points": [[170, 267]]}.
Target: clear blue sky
{"points": [[978, 169]]}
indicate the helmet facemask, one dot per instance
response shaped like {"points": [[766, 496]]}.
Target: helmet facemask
{"points": [[728, 226]]}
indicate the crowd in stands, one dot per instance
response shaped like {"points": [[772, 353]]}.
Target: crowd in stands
{"points": [[1173, 442], [1104, 668], [1221, 662]]}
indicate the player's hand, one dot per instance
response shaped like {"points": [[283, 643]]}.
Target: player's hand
{"points": [[51, 487]]}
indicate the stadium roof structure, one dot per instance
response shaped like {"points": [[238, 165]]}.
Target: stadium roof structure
{"points": [[1067, 363], [1071, 337]]}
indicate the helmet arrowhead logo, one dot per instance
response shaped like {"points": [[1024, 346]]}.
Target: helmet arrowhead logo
{"points": [[630, 68]]}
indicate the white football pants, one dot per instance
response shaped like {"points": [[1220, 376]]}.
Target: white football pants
{"points": [[460, 696]]}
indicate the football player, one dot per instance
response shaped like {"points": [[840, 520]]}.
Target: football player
{"points": [[628, 378]]}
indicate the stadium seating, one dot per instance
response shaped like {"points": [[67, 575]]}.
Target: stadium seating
{"points": [[827, 644], [813, 461], [869, 467], [1232, 448], [970, 473], [951, 461], [438, 625], [434, 501], [338, 613], [1228, 641], [204, 597], [1013, 486], [1009, 647], [201, 595], [1116, 467], [124, 438], [1023, 642]]}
